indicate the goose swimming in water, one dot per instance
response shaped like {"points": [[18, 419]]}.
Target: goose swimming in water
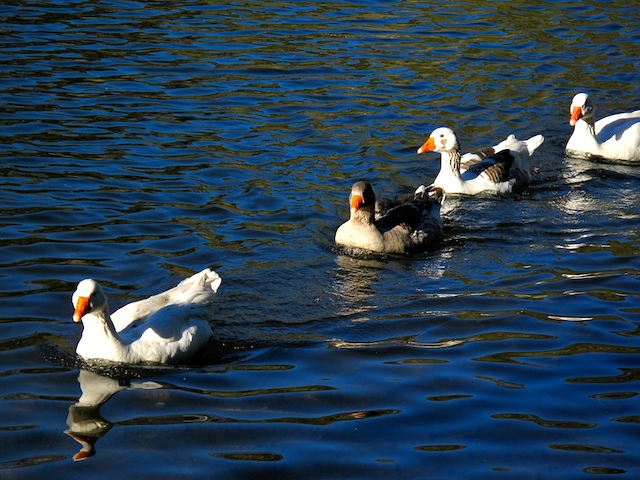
{"points": [[166, 328], [503, 168], [411, 226], [616, 137]]}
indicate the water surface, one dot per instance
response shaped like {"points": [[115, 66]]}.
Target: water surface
{"points": [[142, 142]]}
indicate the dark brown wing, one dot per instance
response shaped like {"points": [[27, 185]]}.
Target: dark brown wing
{"points": [[484, 152], [384, 205], [495, 168], [406, 214]]}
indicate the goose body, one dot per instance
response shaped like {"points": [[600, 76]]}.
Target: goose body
{"points": [[169, 327], [616, 137], [411, 226], [503, 168]]}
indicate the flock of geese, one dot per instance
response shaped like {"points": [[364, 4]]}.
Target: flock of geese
{"points": [[411, 223], [172, 327]]}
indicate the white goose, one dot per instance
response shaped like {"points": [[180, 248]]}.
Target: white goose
{"points": [[616, 137], [166, 328], [503, 168], [411, 226]]}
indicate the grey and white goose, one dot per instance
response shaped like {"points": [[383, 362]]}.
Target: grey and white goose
{"points": [[409, 227], [503, 168]]}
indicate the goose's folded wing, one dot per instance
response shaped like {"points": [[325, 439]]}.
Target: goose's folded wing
{"points": [[384, 205], [407, 214], [136, 313], [200, 288], [495, 168]]}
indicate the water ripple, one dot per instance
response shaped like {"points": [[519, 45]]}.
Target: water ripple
{"points": [[144, 141]]}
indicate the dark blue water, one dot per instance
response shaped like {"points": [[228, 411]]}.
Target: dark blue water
{"points": [[144, 141]]}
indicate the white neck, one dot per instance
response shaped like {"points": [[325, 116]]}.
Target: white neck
{"points": [[449, 167], [99, 335], [587, 125], [584, 138]]}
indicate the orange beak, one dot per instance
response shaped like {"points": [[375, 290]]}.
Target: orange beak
{"points": [[356, 201], [576, 114], [428, 146], [81, 308]]}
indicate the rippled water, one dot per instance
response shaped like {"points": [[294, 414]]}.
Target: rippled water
{"points": [[142, 142]]}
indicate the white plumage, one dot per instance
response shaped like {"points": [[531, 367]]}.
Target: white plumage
{"points": [[166, 328], [616, 137], [503, 168]]}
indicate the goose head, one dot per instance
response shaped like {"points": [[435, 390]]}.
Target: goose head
{"points": [[87, 298], [442, 139], [581, 107], [361, 197]]}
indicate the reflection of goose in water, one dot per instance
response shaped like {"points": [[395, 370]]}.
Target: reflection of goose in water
{"points": [[86, 425], [587, 197], [353, 284]]}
